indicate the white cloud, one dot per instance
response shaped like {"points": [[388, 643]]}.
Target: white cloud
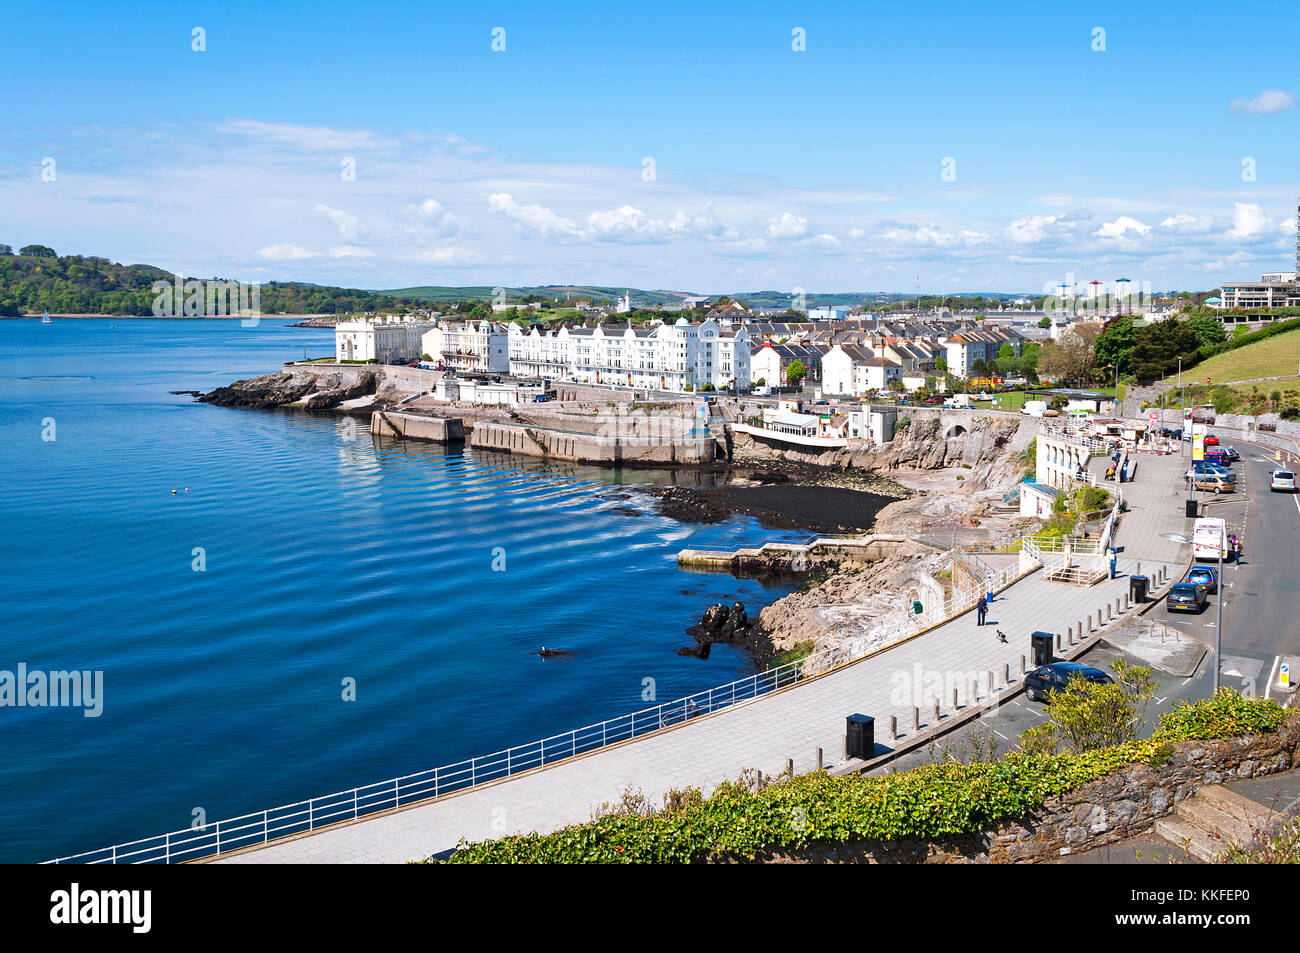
{"points": [[1121, 227], [624, 222], [350, 251], [307, 138], [1189, 224], [931, 236], [1034, 228], [787, 226], [349, 226], [450, 255], [434, 218], [532, 219], [1268, 102], [1248, 222], [284, 252]]}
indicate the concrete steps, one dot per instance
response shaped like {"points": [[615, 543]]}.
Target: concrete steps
{"points": [[1211, 821]]}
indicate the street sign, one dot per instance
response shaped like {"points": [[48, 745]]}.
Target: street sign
{"points": [[1284, 675]]}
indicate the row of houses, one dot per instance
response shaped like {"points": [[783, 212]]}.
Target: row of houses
{"points": [[840, 357], [861, 362], [680, 356]]}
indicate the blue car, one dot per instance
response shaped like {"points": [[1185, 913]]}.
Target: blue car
{"points": [[1203, 576]]}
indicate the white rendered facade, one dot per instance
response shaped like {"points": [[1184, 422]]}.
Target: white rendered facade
{"points": [[378, 339], [663, 357]]}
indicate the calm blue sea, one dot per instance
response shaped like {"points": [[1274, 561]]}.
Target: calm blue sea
{"points": [[329, 556]]}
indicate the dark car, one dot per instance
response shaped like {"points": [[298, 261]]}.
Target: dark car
{"points": [[1220, 457], [1203, 576], [1186, 597], [1042, 681]]}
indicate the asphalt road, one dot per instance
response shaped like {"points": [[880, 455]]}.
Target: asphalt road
{"points": [[1002, 729], [1261, 618], [1261, 608]]}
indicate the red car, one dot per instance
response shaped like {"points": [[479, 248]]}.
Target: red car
{"points": [[1211, 441]]}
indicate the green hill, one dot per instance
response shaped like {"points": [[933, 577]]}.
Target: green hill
{"points": [[75, 284], [1276, 356]]}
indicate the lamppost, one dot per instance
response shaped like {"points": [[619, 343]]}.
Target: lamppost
{"points": [[1218, 584]]}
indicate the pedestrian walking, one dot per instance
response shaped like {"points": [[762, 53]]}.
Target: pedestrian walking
{"points": [[981, 609]]}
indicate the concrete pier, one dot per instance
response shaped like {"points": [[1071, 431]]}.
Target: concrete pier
{"points": [[389, 423]]}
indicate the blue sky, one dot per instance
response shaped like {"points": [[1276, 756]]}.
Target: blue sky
{"points": [[773, 168]]}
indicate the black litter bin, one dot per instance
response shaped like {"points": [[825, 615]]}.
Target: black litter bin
{"points": [[1137, 588], [1044, 647], [1191, 509], [861, 731]]}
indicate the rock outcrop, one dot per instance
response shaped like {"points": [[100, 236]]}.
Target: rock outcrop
{"points": [[275, 390], [848, 605], [986, 450], [719, 624]]}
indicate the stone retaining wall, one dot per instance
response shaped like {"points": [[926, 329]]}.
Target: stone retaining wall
{"points": [[592, 448], [389, 423]]}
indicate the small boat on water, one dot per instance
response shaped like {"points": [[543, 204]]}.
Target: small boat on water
{"points": [[45, 319]]}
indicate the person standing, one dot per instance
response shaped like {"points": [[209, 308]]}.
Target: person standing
{"points": [[981, 609]]}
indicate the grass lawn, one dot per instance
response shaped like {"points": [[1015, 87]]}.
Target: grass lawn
{"points": [[1273, 357]]}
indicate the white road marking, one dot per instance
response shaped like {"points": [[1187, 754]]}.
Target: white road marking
{"points": [[1276, 662]]}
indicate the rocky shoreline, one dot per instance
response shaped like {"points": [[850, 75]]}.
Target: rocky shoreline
{"points": [[314, 392]]}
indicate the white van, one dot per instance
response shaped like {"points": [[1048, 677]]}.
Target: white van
{"points": [[1209, 535]]}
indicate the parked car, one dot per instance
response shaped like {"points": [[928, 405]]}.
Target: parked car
{"points": [[1211, 440], [1283, 480], [1218, 458], [1042, 681], [1216, 484], [542, 398], [1203, 576], [1210, 469], [1186, 597], [1232, 453]]}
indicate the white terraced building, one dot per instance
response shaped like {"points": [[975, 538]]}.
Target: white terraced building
{"points": [[386, 340], [662, 356], [469, 347]]}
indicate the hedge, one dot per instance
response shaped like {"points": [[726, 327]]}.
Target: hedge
{"points": [[939, 800]]}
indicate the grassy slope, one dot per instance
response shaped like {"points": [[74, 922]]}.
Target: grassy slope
{"points": [[1273, 357]]}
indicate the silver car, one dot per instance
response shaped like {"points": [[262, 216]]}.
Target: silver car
{"points": [[1283, 480]]}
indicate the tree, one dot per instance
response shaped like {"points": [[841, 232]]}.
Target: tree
{"points": [[1207, 330], [1045, 322], [1008, 364], [38, 251], [1085, 716], [978, 368], [1115, 342], [1158, 347], [1071, 356], [795, 372]]}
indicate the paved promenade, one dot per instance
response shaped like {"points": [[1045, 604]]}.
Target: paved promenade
{"points": [[792, 724]]}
